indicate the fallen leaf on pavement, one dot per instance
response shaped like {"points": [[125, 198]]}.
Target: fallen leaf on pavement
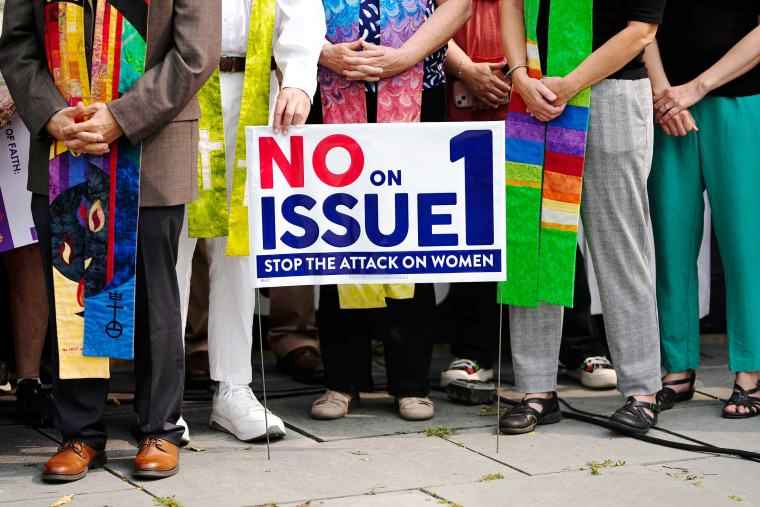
{"points": [[63, 500]]}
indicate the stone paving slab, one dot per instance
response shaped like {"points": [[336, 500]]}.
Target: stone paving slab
{"points": [[302, 470], [625, 485], [133, 497], [723, 476], [376, 415], [410, 498], [23, 454], [547, 450]]}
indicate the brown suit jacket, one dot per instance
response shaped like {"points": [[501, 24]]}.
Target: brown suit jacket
{"points": [[159, 109]]}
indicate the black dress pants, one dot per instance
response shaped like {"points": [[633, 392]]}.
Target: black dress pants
{"points": [[159, 353], [406, 328]]}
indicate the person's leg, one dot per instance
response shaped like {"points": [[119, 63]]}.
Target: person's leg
{"points": [[79, 403], [345, 341], [230, 322], [196, 327], [159, 349], [29, 309], [578, 338], [29, 312], [677, 227], [581, 349], [476, 322], [535, 338], [615, 212], [731, 176], [293, 333], [409, 343]]}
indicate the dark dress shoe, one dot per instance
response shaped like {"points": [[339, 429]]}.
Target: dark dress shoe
{"points": [[156, 458], [197, 369], [304, 364], [523, 418], [34, 405], [72, 461], [632, 417]]}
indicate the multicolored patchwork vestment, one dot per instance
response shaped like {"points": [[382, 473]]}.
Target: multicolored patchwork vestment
{"points": [[210, 216], [94, 199], [399, 99], [544, 167]]}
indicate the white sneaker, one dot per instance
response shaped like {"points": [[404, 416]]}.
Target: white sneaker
{"points": [[466, 370], [236, 410], [185, 434], [596, 372]]}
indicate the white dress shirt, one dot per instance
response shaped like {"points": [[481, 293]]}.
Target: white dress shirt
{"points": [[299, 32]]}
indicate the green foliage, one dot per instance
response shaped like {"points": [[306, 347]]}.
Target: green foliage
{"points": [[168, 501], [490, 477], [440, 432]]}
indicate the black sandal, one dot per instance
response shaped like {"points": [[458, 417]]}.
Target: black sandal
{"points": [[523, 418], [741, 398], [632, 417], [667, 397]]}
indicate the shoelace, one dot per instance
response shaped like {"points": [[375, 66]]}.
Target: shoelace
{"points": [[597, 361], [242, 394], [73, 445], [151, 442]]}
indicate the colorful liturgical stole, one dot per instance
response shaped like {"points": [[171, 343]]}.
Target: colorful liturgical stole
{"points": [[94, 199], [544, 167], [207, 215], [254, 112], [399, 100]]}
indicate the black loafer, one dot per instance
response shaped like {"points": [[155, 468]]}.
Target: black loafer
{"points": [[632, 417], [523, 418]]}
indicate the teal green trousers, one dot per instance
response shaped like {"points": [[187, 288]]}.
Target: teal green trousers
{"points": [[723, 158]]}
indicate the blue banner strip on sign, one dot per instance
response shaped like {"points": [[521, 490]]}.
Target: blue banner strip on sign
{"points": [[378, 263]]}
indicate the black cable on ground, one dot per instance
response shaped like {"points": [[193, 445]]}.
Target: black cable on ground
{"points": [[602, 420]]}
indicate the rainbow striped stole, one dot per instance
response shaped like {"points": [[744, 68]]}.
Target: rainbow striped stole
{"points": [[544, 167], [94, 199], [399, 100]]}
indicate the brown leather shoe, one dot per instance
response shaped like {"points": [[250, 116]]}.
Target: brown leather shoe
{"points": [[156, 458], [304, 364], [72, 461], [197, 369]]}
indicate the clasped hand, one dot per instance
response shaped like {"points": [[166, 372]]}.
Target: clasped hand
{"points": [[541, 102], [92, 135], [363, 61]]}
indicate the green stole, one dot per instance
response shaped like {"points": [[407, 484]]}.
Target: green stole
{"points": [[208, 216], [544, 167]]}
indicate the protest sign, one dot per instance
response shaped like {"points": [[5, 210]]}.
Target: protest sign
{"points": [[376, 203], [16, 225]]}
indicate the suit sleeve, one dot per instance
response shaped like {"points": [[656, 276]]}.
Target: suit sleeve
{"points": [[165, 88], [24, 66], [298, 38]]}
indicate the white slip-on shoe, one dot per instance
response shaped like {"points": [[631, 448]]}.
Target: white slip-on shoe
{"points": [[333, 405], [415, 409], [465, 369], [236, 410], [595, 372]]}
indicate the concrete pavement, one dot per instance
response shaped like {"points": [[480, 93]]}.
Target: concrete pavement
{"points": [[374, 458]]}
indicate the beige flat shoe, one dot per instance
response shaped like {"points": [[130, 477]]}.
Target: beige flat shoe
{"points": [[332, 405], [415, 409]]}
